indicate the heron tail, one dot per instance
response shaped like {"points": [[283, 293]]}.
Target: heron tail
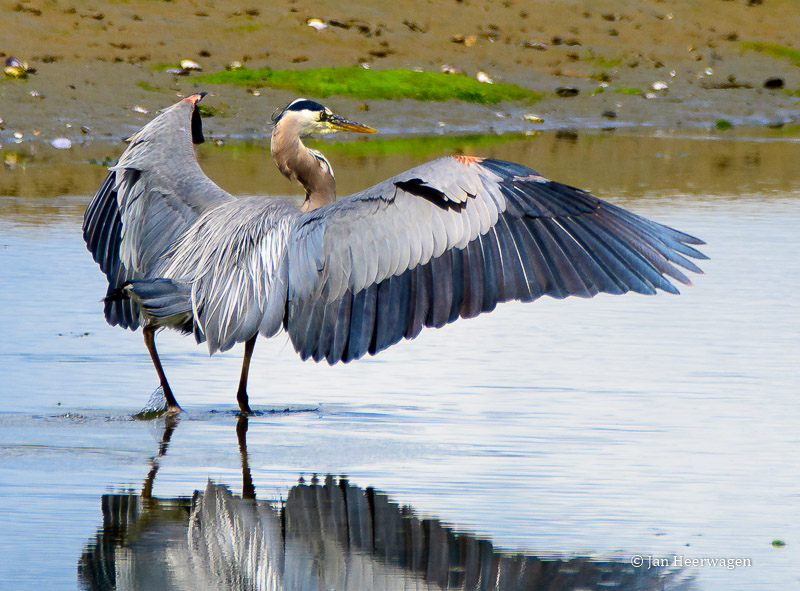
{"points": [[165, 302]]}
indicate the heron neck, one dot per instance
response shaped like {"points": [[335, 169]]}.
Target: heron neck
{"points": [[298, 163]]}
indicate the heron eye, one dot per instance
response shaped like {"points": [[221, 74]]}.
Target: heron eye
{"points": [[323, 116]]}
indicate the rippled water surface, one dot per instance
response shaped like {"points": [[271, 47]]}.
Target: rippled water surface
{"points": [[542, 444]]}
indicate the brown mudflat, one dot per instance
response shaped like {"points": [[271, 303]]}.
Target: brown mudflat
{"points": [[97, 62]]}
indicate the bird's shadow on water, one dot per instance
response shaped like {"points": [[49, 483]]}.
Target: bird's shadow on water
{"points": [[326, 534]]}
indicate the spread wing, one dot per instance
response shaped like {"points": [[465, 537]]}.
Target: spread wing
{"points": [[454, 237], [156, 190]]}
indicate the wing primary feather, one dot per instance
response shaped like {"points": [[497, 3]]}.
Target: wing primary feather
{"points": [[526, 249], [418, 300], [572, 279], [341, 331], [493, 276], [473, 289], [654, 250], [406, 296], [442, 290], [362, 325], [324, 336], [539, 261], [669, 248], [97, 211], [383, 316], [315, 323], [637, 261], [102, 248], [672, 233], [461, 278], [515, 283], [595, 241]]}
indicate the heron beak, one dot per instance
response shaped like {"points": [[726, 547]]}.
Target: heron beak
{"points": [[341, 124]]}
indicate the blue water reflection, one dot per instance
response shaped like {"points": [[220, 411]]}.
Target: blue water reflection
{"points": [[660, 426]]}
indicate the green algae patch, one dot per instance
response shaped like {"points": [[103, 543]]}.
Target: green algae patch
{"points": [[375, 84], [774, 50], [628, 90], [723, 124], [144, 85]]}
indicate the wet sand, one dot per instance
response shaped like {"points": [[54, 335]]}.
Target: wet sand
{"points": [[95, 62]]}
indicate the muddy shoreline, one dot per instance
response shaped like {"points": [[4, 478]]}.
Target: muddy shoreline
{"points": [[98, 70]]}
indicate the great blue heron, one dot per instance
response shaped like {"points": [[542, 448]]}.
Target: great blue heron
{"points": [[445, 240]]}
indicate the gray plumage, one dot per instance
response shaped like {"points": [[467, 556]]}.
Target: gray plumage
{"points": [[448, 239]]}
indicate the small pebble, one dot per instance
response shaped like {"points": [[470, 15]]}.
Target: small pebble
{"points": [[176, 71], [254, 91], [317, 24], [709, 72], [15, 72], [234, 66], [660, 85], [138, 109], [567, 91], [18, 135], [533, 118], [190, 65], [61, 143], [484, 77], [773, 83], [538, 45], [467, 41]]}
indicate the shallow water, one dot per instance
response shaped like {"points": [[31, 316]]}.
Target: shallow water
{"points": [[603, 429]]}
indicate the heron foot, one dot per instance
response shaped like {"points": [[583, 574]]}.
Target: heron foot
{"points": [[172, 405], [244, 402]]}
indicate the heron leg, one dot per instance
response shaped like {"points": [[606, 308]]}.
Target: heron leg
{"points": [[150, 342], [241, 395]]}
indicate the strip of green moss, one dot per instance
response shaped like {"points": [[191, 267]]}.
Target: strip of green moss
{"points": [[774, 50], [600, 60], [375, 84], [628, 90], [144, 85], [160, 67]]}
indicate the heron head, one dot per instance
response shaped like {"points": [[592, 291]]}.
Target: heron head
{"points": [[311, 117]]}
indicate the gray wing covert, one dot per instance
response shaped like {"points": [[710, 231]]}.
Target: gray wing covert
{"points": [[156, 190], [451, 239]]}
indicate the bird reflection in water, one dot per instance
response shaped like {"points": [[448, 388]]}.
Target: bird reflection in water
{"points": [[329, 535]]}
